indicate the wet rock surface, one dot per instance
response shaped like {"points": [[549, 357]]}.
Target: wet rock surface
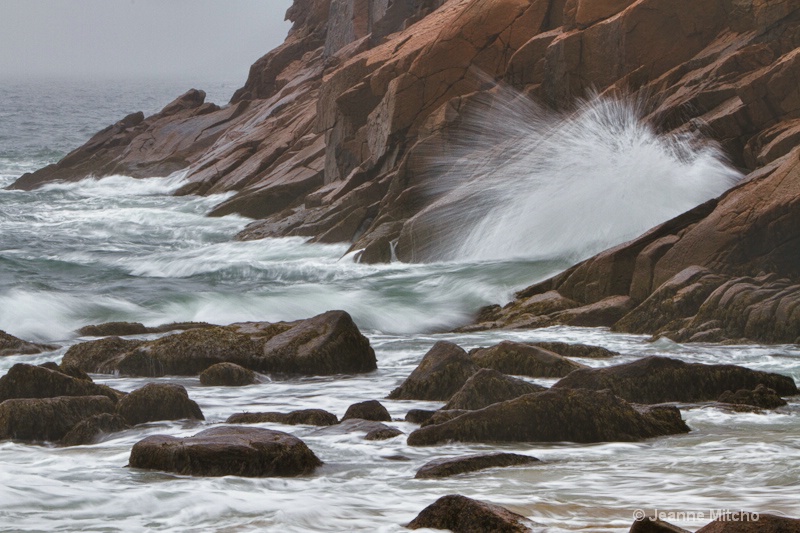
{"points": [[370, 429], [453, 466], [28, 381], [11, 345], [761, 396], [227, 451], [158, 401], [523, 360], [661, 379], [48, 419], [442, 372], [464, 515], [368, 410], [90, 430], [555, 415], [746, 523], [486, 387], [311, 417], [227, 375]]}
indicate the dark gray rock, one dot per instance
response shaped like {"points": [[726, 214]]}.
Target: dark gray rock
{"points": [[452, 466]]}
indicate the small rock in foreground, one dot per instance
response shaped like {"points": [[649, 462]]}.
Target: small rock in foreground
{"points": [[460, 514]]}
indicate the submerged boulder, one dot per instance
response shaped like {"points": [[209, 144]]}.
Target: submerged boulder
{"points": [[555, 415], [568, 349], [369, 410], [227, 451], [158, 401], [524, 360], [326, 344], [89, 430], [460, 514], [761, 396], [452, 466], [48, 419], [488, 386], [310, 417], [442, 371], [29, 381], [11, 345], [658, 379], [100, 356], [370, 429], [227, 375]]}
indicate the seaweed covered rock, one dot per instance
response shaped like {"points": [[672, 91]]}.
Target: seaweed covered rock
{"points": [[326, 344], [107, 329], [761, 396], [310, 417], [29, 381], [443, 415], [555, 415], [227, 375], [658, 379], [188, 353], [452, 466], [89, 430], [442, 371], [11, 345], [419, 416], [460, 514], [100, 356], [158, 401], [227, 451], [369, 410], [488, 386], [48, 419], [523, 360]]}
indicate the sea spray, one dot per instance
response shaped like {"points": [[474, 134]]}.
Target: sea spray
{"points": [[518, 181]]}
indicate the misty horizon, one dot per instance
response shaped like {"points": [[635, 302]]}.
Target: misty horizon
{"points": [[192, 40]]}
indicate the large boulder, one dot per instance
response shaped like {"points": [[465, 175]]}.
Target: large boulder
{"points": [[11, 345], [460, 514], [452, 466], [442, 371], [158, 401], [48, 419], [310, 417], [555, 415], [523, 360], [227, 375], [658, 379], [188, 353], [227, 451], [488, 386], [90, 430], [326, 344], [100, 356], [369, 410], [28, 381]]}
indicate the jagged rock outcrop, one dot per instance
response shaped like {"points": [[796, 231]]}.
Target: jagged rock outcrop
{"points": [[661, 379], [227, 451], [555, 415], [11, 345], [327, 138]]}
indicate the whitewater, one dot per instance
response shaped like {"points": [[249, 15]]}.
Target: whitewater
{"points": [[123, 249]]}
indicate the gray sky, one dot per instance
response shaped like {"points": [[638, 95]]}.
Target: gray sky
{"points": [[201, 39]]}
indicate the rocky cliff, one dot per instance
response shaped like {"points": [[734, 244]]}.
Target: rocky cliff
{"points": [[324, 138]]}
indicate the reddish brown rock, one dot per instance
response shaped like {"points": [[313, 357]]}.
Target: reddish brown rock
{"points": [[158, 401], [464, 515], [439, 468], [442, 371], [48, 419], [91, 430], [227, 451], [369, 410], [228, 375], [752, 522], [486, 387], [523, 360]]}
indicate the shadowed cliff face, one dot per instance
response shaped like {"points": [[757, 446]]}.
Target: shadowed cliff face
{"points": [[328, 138]]}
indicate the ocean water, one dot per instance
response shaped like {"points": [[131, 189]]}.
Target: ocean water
{"points": [[124, 249]]}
